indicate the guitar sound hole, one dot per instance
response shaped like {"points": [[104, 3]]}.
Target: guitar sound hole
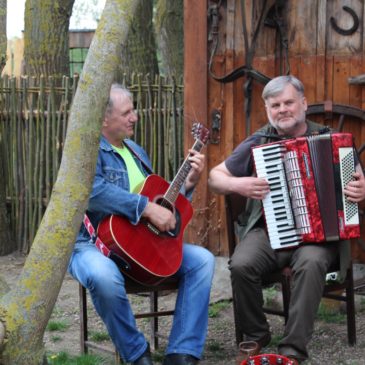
{"points": [[172, 233], [175, 232], [165, 203]]}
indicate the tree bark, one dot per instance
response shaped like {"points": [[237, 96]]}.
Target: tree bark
{"points": [[46, 26], [139, 53], [3, 37], [170, 36], [26, 309]]}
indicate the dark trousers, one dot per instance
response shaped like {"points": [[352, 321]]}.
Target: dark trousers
{"points": [[253, 258]]}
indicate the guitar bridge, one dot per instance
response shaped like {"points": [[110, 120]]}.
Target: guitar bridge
{"points": [[153, 229]]}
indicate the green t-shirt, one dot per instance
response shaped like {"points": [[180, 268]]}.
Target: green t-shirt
{"points": [[135, 175]]}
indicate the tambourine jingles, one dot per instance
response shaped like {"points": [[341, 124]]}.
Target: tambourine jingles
{"points": [[267, 359]]}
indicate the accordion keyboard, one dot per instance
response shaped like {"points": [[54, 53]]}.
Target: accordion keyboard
{"points": [[277, 207]]}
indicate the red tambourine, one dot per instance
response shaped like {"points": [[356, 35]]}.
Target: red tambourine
{"points": [[267, 359]]}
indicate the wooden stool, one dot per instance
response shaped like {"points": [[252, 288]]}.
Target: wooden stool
{"points": [[132, 287]]}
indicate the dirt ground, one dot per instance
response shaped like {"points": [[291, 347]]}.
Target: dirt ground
{"points": [[328, 344]]}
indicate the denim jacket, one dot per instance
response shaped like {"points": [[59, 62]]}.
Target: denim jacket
{"points": [[110, 193]]}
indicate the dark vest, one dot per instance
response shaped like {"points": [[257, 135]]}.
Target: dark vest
{"points": [[253, 210]]}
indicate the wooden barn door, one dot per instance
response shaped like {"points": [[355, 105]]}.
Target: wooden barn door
{"points": [[319, 41]]}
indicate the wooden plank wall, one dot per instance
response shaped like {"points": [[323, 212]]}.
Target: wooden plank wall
{"points": [[322, 58], [195, 103]]}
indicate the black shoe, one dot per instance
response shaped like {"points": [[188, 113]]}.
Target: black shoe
{"points": [[180, 359], [264, 341], [145, 358]]}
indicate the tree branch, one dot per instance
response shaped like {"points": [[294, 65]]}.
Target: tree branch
{"points": [[2, 334]]}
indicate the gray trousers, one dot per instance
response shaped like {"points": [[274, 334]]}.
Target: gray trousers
{"points": [[254, 258]]}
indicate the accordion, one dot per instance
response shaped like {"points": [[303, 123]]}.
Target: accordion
{"points": [[306, 176]]}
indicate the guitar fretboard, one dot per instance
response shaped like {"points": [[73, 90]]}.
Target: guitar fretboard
{"points": [[174, 189]]}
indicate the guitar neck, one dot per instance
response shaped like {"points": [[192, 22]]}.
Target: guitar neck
{"points": [[174, 189]]}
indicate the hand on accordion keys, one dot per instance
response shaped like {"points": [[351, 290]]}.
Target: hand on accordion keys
{"points": [[355, 189], [254, 187]]}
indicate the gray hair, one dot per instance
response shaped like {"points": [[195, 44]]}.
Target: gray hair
{"points": [[122, 90], [277, 85]]}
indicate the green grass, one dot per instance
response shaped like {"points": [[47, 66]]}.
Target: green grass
{"points": [[270, 295], [57, 312], [330, 316], [57, 326], [362, 304], [214, 346], [99, 336], [275, 339], [158, 355], [56, 338], [63, 358], [215, 308], [216, 350]]}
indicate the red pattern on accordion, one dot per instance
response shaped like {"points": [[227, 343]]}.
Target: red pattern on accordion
{"points": [[343, 140], [300, 146], [308, 167]]}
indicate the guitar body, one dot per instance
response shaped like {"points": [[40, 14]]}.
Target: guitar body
{"points": [[151, 256]]}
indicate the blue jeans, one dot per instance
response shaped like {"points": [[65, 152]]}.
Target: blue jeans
{"points": [[105, 283]]}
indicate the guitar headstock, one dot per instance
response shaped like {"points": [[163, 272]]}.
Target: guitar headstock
{"points": [[199, 131]]}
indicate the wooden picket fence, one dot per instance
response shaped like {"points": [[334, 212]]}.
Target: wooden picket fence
{"points": [[33, 123]]}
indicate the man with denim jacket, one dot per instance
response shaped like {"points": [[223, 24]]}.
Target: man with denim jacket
{"points": [[253, 258], [121, 165]]}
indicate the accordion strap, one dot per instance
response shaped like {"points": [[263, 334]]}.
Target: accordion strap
{"points": [[270, 133]]}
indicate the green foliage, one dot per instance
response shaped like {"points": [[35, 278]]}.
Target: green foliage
{"points": [[158, 355], [89, 9], [63, 358], [57, 326], [215, 308], [330, 316], [270, 295], [56, 338], [362, 304], [214, 346], [275, 339], [217, 350], [99, 336]]}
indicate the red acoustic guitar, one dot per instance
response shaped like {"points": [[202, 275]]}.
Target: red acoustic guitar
{"points": [[144, 253]]}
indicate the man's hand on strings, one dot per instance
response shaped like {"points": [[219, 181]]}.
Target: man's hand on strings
{"points": [[160, 217], [197, 161]]}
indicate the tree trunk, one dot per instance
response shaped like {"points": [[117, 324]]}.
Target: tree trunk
{"points": [[46, 26], [26, 308], [170, 36], [3, 37], [139, 53], [6, 243]]}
